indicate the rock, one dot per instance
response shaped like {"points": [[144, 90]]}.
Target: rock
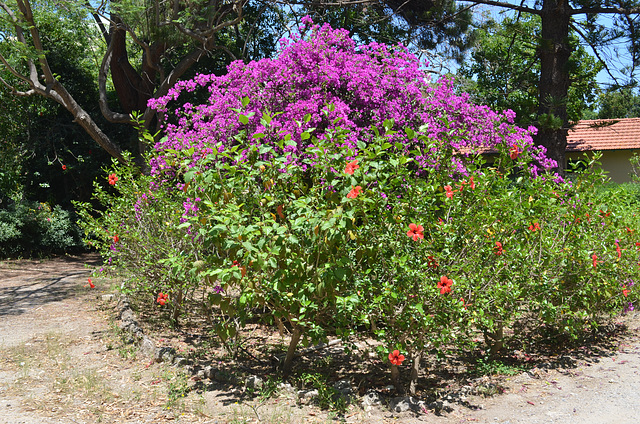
{"points": [[209, 372], [165, 354], [180, 361], [148, 347], [435, 405], [307, 394], [371, 398], [286, 388], [406, 403], [128, 317], [343, 387], [107, 297], [253, 383]]}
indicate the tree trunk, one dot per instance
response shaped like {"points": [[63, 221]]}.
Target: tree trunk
{"points": [[554, 51], [293, 344], [415, 369], [133, 90]]}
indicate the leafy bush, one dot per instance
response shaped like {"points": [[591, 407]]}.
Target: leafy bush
{"points": [[30, 228], [394, 234]]}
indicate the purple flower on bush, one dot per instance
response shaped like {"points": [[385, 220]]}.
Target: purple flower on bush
{"points": [[190, 208], [365, 85]]}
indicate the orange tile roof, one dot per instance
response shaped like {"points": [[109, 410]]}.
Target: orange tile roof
{"points": [[604, 134]]}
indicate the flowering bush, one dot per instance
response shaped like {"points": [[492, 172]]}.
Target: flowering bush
{"points": [[324, 208], [365, 85]]}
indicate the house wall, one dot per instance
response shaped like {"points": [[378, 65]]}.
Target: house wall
{"points": [[614, 162]]}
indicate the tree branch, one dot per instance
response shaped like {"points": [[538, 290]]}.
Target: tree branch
{"points": [[606, 10], [27, 14], [97, 18], [595, 51], [518, 7], [110, 115]]}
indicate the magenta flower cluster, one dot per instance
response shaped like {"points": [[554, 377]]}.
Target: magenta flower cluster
{"points": [[364, 84], [190, 208]]}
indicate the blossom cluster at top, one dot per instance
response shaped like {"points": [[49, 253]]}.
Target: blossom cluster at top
{"points": [[364, 84]]}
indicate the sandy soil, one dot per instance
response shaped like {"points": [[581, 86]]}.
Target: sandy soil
{"points": [[63, 360]]}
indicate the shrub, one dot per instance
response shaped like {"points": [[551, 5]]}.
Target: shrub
{"points": [[327, 223], [31, 228]]}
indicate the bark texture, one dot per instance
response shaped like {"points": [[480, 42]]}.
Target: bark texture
{"points": [[554, 54]]}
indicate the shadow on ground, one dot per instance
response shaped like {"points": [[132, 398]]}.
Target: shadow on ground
{"points": [[28, 284]]}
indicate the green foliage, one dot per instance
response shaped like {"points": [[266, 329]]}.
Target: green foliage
{"points": [[328, 397], [30, 228], [487, 366], [38, 135], [619, 103], [330, 245]]}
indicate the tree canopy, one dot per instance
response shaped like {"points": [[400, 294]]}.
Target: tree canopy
{"points": [[599, 24], [504, 71], [145, 46]]}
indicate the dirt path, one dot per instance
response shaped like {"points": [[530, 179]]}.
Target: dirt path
{"points": [[61, 361]]}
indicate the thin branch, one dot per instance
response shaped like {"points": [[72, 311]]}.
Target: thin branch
{"points": [[606, 10], [15, 91], [12, 70], [97, 18], [595, 51], [504, 5], [25, 10]]}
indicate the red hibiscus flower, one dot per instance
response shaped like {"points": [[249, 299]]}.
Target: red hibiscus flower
{"points": [[432, 262], [396, 357], [449, 191], [354, 192], [618, 250], [116, 238], [625, 291], [595, 260], [93, 286], [113, 179], [499, 248], [534, 227], [351, 167], [162, 298], [445, 284], [514, 152], [64, 167], [470, 183], [415, 232]]}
